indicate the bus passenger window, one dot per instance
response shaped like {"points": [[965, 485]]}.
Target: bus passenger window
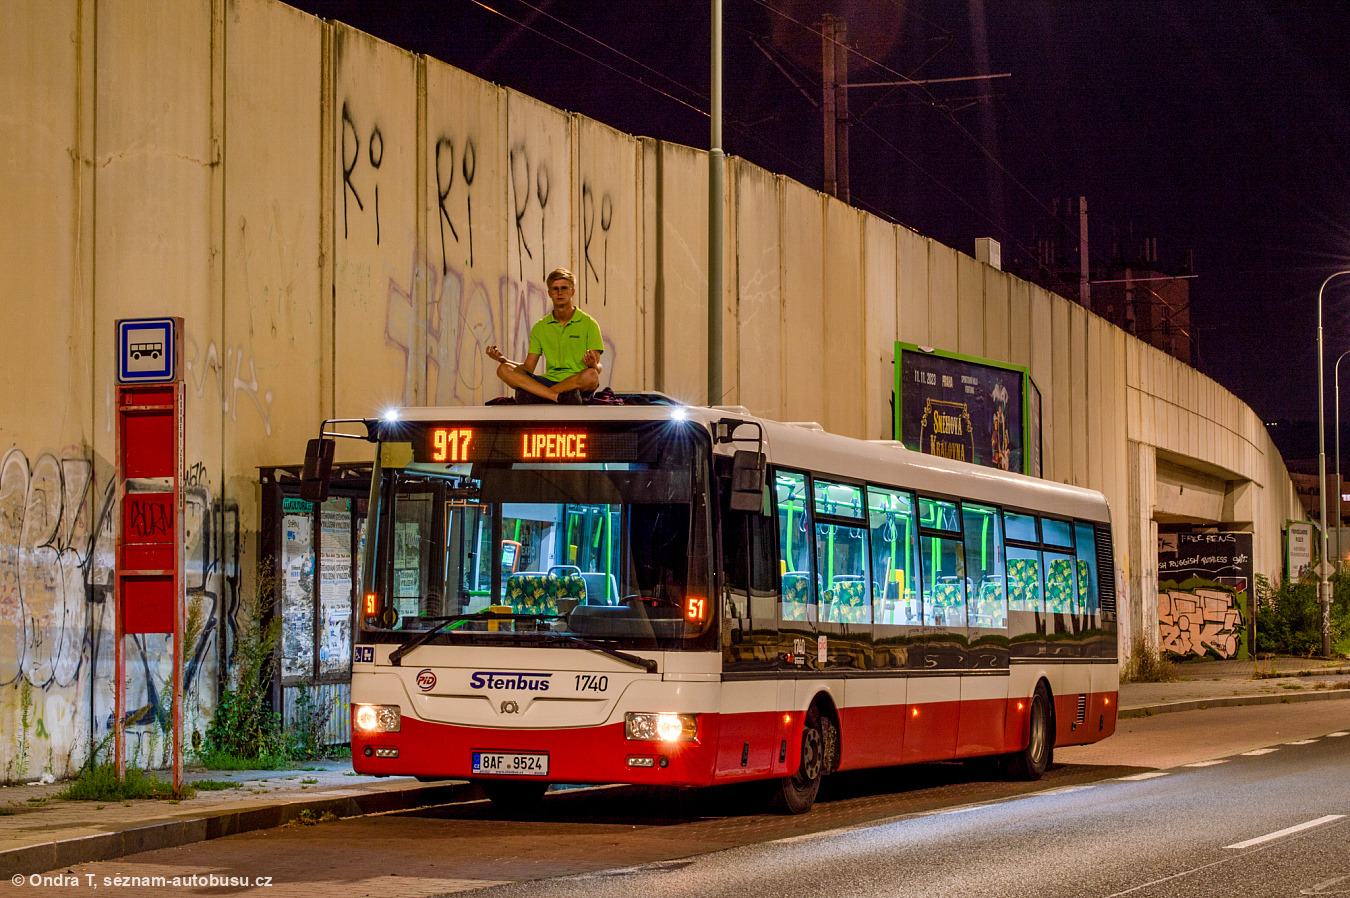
{"points": [[987, 602], [794, 546], [1060, 591], [895, 556], [841, 554], [1024, 579], [944, 582], [1087, 567]]}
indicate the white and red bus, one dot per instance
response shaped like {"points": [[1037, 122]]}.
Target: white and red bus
{"points": [[658, 594]]}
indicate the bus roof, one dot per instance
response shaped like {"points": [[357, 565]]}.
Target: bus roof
{"points": [[809, 447]]}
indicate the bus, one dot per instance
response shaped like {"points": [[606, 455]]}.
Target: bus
{"points": [[660, 594]]}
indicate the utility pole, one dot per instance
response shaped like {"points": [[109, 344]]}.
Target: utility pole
{"points": [[834, 105]]}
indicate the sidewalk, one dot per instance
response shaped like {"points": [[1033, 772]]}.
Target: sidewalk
{"points": [[44, 833]]}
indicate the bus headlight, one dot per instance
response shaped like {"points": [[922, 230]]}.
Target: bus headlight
{"points": [[647, 726], [376, 718]]}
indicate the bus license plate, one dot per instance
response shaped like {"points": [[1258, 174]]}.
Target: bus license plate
{"points": [[505, 763]]}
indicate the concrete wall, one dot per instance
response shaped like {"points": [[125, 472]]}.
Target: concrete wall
{"points": [[344, 226]]}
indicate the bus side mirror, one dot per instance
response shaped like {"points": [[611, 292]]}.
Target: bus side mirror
{"points": [[747, 481], [318, 468]]}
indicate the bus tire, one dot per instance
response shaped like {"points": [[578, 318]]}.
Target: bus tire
{"points": [[1032, 761], [795, 794], [512, 796]]}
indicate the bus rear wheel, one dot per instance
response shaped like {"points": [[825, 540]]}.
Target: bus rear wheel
{"points": [[795, 794], [1032, 761], [514, 797]]}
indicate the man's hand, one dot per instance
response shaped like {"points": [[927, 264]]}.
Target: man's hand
{"points": [[495, 354], [591, 359]]}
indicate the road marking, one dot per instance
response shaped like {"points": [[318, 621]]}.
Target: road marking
{"points": [[1302, 742], [1259, 751], [1152, 774], [1286, 832], [1336, 735], [1207, 763]]}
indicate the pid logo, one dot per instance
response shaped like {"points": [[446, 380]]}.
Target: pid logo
{"points": [[426, 679]]}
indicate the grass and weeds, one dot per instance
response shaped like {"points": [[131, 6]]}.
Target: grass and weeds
{"points": [[1289, 617], [1146, 665], [100, 783], [215, 785], [245, 734]]}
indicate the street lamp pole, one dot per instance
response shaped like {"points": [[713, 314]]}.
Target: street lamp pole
{"points": [[1323, 585], [1336, 417]]}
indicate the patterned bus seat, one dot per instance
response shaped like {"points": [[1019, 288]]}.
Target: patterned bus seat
{"points": [[527, 593], [1023, 592], [1082, 587], [564, 582], [1059, 586], [947, 610], [796, 591], [850, 601]]}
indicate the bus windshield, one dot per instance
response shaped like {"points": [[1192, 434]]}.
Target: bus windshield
{"points": [[543, 535]]}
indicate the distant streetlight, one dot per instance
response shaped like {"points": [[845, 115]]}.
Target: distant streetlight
{"points": [[1336, 404], [1323, 585]]}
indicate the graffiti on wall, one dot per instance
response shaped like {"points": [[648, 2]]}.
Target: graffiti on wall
{"points": [[230, 385], [352, 157], [466, 312], [57, 544], [1206, 621], [1203, 585]]}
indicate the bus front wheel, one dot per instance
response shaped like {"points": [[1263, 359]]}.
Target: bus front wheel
{"points": [[795, 794], [1032, 761]]}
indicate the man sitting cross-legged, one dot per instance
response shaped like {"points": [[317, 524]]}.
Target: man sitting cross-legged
{"points": [[568, 339]]}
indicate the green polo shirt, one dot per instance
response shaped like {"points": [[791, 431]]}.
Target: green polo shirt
{"points": [[564, 346]]}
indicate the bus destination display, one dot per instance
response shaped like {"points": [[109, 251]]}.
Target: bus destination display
{"points": [[461, 444]]}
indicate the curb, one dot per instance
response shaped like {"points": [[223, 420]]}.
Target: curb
{"points": [[1234, 701], [222, 822]]}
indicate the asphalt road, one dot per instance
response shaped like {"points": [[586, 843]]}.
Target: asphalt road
{"points": [[1125, 817]]}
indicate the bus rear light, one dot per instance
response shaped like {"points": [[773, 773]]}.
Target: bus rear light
{"points": [[914, 712], [376, 718], [646, 726]]}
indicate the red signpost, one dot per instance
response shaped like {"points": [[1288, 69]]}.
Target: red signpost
{"points": [[149, 581]]}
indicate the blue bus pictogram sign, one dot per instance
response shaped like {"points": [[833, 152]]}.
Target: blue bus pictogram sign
{"points": [[147, 350]]}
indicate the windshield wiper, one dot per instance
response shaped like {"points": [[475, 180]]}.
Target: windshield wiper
{"points": [[647, 664], [396, 656]]}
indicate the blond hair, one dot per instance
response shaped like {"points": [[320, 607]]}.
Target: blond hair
{"points": [[560, 274]]}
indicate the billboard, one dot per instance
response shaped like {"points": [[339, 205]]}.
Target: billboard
{"points": [[969, 409]]}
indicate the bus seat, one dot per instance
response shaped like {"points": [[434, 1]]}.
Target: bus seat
{"points": [[850, 598], [1022, 585], [601, 588], [564, 581], [796, 590], [1059, 586], [527, 593]]}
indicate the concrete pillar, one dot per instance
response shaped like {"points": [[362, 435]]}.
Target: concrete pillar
{"points": [[1138, 610]]}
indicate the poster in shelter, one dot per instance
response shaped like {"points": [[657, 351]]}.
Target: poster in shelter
{"points": [[297, 596], [335, 587]]}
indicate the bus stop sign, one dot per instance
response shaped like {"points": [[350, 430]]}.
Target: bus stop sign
{"points": [[148, 350]]}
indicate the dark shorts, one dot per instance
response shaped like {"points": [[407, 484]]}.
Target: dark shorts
{"points": [[524, 397]]}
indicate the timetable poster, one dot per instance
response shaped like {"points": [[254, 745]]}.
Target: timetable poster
{"points": [[960, 409]]}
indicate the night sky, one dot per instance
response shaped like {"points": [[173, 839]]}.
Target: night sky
{"points": [[1219, 127]]}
